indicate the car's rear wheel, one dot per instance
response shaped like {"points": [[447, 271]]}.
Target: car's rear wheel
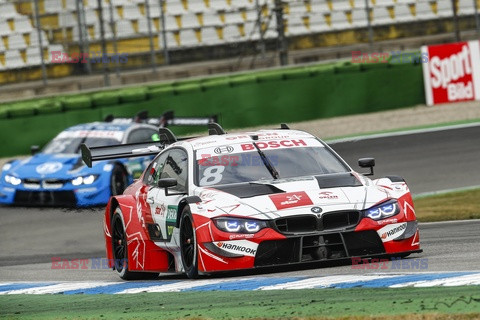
{"points": [[118, 181], [120, 251], [188, 244]]}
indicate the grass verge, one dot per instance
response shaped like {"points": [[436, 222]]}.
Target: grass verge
{"points": [[383, 303], [459, 205]]}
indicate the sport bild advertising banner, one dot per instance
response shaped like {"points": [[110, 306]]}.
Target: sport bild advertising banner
{"points": [[452, 72]]}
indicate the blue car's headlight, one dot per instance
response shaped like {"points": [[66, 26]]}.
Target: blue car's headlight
{"points": [[383, 210], [86, 180], [6, 167], [12, 180], [239, 225]]}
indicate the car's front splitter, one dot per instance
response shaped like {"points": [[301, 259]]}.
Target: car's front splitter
{"points": [[80, 197], [298, 249]]}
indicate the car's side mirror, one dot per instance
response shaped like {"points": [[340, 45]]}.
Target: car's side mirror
{"points": [[34, 150], [367, 163], [166, 183]]}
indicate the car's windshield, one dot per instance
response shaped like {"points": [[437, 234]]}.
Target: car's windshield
{"points": [[224, 165], [70, 141]]}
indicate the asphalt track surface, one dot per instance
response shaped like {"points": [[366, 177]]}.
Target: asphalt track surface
{"points": [[429, 161]]}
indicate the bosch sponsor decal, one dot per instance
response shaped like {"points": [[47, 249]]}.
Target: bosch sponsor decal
{"points": [[274, 144], [244, 247], [290, 200], [392, 231], [452, 72], [49, 167], [236, 148]]}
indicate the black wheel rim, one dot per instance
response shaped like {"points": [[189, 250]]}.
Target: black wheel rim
{"points": [[119, 241], [187, 241], [118, 182]]}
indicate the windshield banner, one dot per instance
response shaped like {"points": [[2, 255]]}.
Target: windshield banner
{"points": [[262, 145]]}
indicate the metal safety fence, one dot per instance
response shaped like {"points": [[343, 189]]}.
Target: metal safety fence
{"points": [[46, 39]]}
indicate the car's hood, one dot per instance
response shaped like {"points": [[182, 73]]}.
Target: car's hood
{"points": [[47, 166], [291, 197]]}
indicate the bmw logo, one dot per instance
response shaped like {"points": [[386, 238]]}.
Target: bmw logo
{"points": [[316, 209], [49, 168]]}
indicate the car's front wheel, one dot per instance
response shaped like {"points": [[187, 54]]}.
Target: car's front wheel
{"points": [[188, 244], [120, 251]]}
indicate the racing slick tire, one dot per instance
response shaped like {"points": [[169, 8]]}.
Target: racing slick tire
{"points": [[188, 244], [118, 180], [120, 251]]}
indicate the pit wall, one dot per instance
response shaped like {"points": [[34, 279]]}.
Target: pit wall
{"points": [[249, 99]]}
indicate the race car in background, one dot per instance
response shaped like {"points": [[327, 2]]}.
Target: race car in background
{"points": [[57, 176], [247, 200]]}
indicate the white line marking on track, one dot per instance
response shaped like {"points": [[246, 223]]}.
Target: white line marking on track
{"points": [[324, 282], [403, 133], [179, 286], [470, 279], [60, 287]]}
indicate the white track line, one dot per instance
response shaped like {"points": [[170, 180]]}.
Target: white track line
{"points": [[403, 133], [60, 287], [470, 279], [179, 286], [324, 282]]}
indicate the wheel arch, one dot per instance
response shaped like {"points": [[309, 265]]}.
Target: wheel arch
{"points": [[143, 254], [182, 204], [128, 176]]}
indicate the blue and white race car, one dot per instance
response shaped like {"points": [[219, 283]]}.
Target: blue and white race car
{"points": [[56, 176]]}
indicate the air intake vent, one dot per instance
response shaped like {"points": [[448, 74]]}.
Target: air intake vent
{"points": [[340, 220], [297, 224]]}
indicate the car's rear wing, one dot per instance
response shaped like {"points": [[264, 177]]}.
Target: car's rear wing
{"points": [[129, 150], [120, 151], [168, 118]]}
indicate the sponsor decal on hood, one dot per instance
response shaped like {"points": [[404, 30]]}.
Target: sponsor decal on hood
{"points": [[49, 167], [290, 200], [334, 196], [392, 231], [243, 247]]}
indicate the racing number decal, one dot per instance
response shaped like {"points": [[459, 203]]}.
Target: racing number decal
{"points": [[212, 175]]}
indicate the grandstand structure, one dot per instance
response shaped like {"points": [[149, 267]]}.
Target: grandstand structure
{"points": [[137, 28]]}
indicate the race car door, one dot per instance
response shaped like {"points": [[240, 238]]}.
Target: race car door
{"points": [[165, 201]]}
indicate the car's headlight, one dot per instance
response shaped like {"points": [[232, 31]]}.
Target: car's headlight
{"points": [[12, 180], [383, 210], [239, 225], [84, 180], [6, 167]]}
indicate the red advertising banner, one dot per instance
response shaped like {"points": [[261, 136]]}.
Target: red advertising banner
{"points": [[452, 73]]}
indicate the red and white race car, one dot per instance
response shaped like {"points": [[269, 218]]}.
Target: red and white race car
{"points": [[240, 201]]}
